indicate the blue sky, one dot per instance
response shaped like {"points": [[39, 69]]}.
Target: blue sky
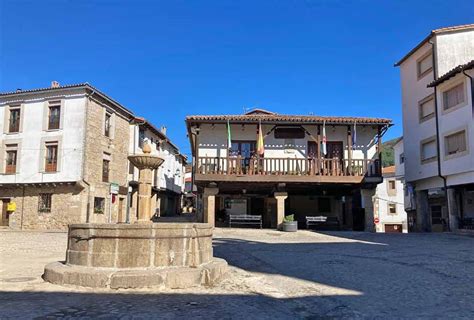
{"points": [[168, 59]]}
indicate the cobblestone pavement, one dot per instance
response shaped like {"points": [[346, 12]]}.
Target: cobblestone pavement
{"points": [[273, 275]]}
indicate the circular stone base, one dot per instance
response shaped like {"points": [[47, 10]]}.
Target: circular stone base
{"points": [[171, 277]]}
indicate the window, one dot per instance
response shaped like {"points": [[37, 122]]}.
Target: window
{"points": [[289, 133], [51, 161], [455, 143], [105, 170], [428, 150], [391, 184], [44, 204], [426, 108], [243, 148], [436, 215], [424, 65], [11, 158], [453, 96], [324, 204], [401, 158], [392, 209], [141, 137], [99, 205], [14, 121], [54, 115], [107, 124]]}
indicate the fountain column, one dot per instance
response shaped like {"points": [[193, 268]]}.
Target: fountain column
{"points": [[145, 163]]}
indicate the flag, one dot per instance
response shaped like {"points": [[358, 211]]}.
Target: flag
{"points": [[260, 147], [229, 136], [354, 135], [324, 139]]}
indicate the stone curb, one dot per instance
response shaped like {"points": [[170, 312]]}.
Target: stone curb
{"points": [[207, 274]]}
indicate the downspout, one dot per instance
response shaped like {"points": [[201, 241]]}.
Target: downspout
{"points": [[88, 206], [438, 143], [472, 87]]}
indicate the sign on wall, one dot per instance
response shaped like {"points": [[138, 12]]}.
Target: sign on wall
{"points": [[114, 188], [11, 206]]}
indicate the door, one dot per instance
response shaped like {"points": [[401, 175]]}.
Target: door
{"points": [[246, 149], [312, 149], [335, 150], [4, 221], [437, 222], [121, 218], [393, 228]]}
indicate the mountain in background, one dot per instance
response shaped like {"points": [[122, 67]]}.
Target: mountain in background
{"points": [[388, 158]]}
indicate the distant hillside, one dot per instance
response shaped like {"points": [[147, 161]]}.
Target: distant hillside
{"points": [[388, 158]]}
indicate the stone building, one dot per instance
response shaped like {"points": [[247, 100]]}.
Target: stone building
{"points": [[64, 157], [168, 179]]}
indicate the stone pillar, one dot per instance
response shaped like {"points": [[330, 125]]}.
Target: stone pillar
{"points": [[144, 196], [368, 204], [209, 199], [453, 209], [280, 197], [423, 223]]}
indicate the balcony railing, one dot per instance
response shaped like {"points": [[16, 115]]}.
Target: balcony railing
{"points": [[288, 166]]}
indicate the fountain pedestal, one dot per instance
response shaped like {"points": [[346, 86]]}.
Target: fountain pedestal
{"points": [[145, 254]]}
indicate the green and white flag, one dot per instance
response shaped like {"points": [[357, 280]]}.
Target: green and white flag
{"points": [[229, 136]]}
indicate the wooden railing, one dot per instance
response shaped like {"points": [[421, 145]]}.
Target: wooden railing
{"points": [[288, 166]]}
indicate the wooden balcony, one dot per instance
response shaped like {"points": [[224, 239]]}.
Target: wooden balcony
{"points": [[317, 170]]}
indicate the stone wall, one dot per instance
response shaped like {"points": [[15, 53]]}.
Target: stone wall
{"points": [[116, 147], [68, 205]]}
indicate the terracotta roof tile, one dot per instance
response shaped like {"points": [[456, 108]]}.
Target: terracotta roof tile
{"points": [[432, 33], [451, 73], [286, 119]]}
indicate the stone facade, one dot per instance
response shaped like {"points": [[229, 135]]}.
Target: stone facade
{"points": [[115, 148], [67, 206]]}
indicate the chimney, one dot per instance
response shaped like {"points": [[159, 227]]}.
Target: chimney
{"points": [[163, 130], [54, 84]]}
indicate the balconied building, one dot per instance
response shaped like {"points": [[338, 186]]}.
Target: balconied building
{"points": [[429, 115], [304, 165], [64, 159], [168, 180]]}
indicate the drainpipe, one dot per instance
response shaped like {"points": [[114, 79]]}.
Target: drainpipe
{"points": [[438, 143], [88, 206], [472, 87]]}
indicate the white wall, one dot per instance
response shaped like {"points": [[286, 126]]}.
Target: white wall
{"points": [[212, 140], [452, 49], [71, 136], [171, 173], [460, 169], [381, 201]]}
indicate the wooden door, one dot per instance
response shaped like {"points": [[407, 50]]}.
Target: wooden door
{"points": [[120, 210], [312, 149], [335, 150], [393, 228], [4, 220]]}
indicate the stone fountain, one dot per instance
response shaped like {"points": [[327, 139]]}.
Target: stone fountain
{"points": [[139, 255]]}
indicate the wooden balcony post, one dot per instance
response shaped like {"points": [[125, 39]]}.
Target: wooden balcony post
{"points": [[349, 150], [318, 153], [379, 150]]}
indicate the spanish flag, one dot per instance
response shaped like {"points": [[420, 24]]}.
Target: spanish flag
{"points": [[260, 146]]}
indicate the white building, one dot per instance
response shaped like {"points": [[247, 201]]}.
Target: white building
{"points": [[169, 179], [293, 175], [389, 208], [431, 118]]}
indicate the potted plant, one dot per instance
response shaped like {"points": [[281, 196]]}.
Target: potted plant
{"points": [[289, 223]]}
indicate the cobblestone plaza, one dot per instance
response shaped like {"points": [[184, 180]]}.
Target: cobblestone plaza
{"points": [[273, 275]]}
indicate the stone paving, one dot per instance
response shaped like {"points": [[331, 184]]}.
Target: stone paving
{"points": [[273, 275]]}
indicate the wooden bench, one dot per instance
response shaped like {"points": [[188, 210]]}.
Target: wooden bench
{"points": [[244, 219], [466, 223], [322, 221]]}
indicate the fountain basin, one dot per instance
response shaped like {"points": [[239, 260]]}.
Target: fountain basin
{"points": [[174, 255]]}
